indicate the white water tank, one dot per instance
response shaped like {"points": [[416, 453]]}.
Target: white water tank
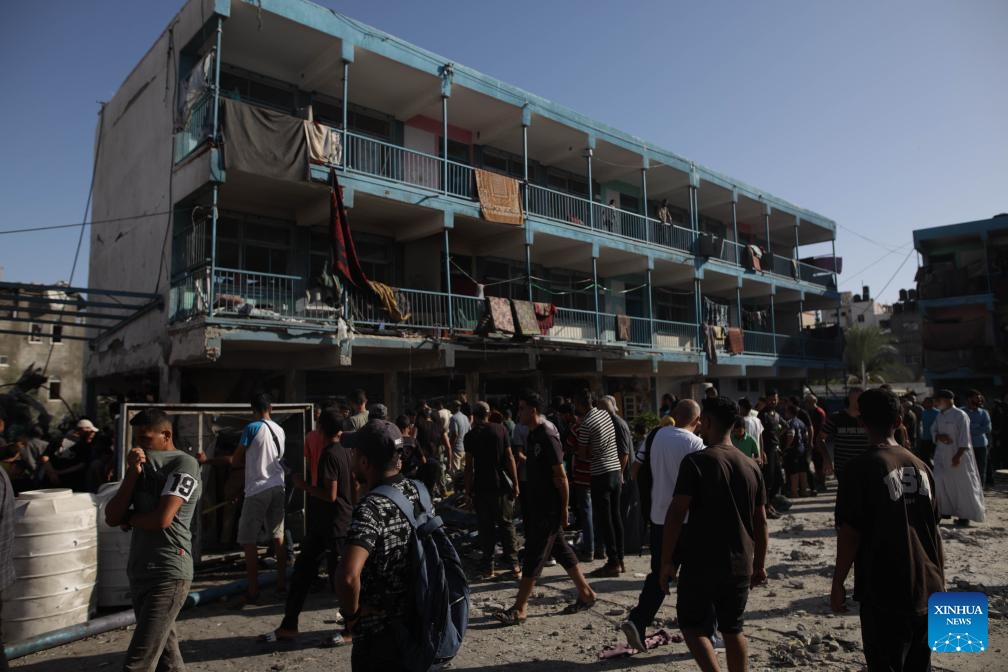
{"points": [[55, 559], [113, 553]]}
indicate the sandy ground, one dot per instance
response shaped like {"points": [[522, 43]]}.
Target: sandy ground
{"points": [[788, 621]]}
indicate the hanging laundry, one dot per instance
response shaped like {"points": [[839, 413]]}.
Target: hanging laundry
{"points": [[345, 260], [735, 341], [192, 88], [525, 318], [715, 311], [499, 197], [325, 143], [499, 310], [622, 327], [264, 142], [394, 302], [545, 314], [709, 344]]}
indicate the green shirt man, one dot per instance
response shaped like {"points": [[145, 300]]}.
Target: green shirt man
{"points": [[743, 440], [156, 499]]}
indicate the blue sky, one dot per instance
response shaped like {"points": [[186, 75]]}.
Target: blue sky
{"points": [[884, 116]]}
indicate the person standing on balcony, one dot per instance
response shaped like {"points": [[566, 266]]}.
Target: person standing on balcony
{"points": [[597, 442], [358, 406], [260, 450], [980, 429], [957, 480], [664, 213]]}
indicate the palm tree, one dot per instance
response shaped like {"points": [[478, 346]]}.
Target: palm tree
{"points": [[867, 351]]}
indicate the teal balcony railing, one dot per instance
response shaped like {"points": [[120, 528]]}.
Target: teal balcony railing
{"points": [[378, 158], [266, 298], [197, 127]]}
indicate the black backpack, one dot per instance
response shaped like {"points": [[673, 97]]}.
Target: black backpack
{"points": [[439, 616]]}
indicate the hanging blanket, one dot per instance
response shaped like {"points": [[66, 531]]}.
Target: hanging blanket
{"points": [[545, 314], [498, 197], [264, 142], [345, 260], [525, 318], [500, 314], [710, 347], [324, 144], [622, 327], [393, 301], [735, 341]]}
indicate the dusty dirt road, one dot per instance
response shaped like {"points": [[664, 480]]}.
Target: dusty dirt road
{"points": [[788, 621]]}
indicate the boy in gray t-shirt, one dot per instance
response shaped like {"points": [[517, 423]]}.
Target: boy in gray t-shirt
{"points": [[156, 500]]}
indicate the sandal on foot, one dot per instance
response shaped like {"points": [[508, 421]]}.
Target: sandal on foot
{"points": [[275, 636], [334, 641], [578, 607], [510, 617]]}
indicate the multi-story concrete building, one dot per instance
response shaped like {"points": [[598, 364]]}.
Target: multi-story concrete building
{"points": [[40, 326], [962, 289], [905, 327], [459, 188], [861, 310]]}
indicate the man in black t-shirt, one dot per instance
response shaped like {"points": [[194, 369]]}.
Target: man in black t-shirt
{"points": [[723, 549], [487, 456], [888, 529], [845, 436], [328, 508], [547, 494]]}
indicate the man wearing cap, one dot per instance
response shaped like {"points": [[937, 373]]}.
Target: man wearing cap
{"points": [[957, 481], [491, 481], [156, 500], [373, 580], [67, 465]]}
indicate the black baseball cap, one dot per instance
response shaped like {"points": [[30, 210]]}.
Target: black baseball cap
{"points": [[378, 440]]}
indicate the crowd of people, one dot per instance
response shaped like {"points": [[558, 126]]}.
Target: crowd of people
{"points": [[708, 476]]}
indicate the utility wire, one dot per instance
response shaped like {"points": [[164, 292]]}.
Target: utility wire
{"points": [[85, 223]]}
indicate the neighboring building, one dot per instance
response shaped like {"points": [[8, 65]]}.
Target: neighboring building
{"points": [[41, 327], [962, 289], [248, 298], [905, 327], [860, 310]]}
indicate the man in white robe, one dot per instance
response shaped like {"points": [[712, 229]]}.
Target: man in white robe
{"points": [[957, 481]]}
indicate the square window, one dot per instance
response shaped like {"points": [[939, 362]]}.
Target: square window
{"points": [[57, 333], [54, 389], [35, 333], [4, 361]]}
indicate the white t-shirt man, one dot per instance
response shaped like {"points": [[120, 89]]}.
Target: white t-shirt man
{"points": [[262, 456], [670, 446]]}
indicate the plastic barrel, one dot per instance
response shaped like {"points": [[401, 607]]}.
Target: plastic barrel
{"points": [[55, 558], [113, 553]]}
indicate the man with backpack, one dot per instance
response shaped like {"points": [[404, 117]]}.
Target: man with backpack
{"points": [[492, 484], [661, 460], [401, 587]]}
